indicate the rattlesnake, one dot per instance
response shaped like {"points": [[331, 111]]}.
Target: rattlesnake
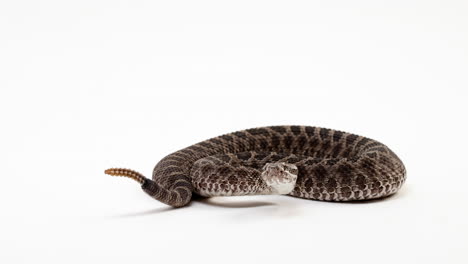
{"points": [[301, 161]]}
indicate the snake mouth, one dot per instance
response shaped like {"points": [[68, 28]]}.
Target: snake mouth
{"points": [[280, 177]]}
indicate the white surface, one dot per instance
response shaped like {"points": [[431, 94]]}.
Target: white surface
{"points": [[87, 85]]}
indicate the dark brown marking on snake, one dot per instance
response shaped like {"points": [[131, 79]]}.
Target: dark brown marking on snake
{"points": [[346, 153], [287, 141], [275, 141], [276, 157], [337, 135], [310, 131], [323, 132], [240, 134], [345, 170], [371, 145], [360, 179], [350, 139], [216, 141], [261, 155], [244, 155], [227, 138], [198, 148], [296, 130], [258, 131], [279, 129], [319, 173], [336, 150], [223, 171], [242, 173], [301, 141], [208, 145], [263, 143], [331, 183], [292, 160], [308, 183], [362, 142], [313, 144], [378, 149]]}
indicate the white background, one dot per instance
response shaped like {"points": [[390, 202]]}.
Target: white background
{"points": [[87, 85]]}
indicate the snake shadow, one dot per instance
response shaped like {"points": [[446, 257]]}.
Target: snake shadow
{"points": [[146, 212], [198, 199], [401, 194], [232, 204]]}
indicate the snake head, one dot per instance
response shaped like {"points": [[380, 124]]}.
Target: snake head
{"points": [[280, 177]]}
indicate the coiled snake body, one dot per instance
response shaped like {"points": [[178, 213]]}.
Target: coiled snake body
{"points": [[301, 161]]}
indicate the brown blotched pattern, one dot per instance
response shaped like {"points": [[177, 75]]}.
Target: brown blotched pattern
{"points": [[332, 166]]}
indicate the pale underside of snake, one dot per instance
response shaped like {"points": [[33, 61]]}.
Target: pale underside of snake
{"points": [[300, 161]]}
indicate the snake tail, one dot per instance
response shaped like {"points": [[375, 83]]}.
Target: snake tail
{"points": [[126, 173], [179, 196]]}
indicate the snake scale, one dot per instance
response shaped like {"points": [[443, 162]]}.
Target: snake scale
{"points": [[301, 161]]}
